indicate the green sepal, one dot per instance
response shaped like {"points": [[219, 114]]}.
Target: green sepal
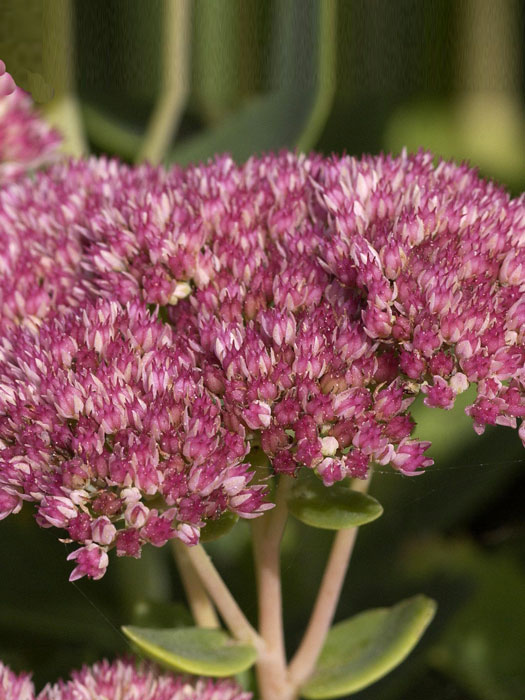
{"points": [[217, 528], [364, 648], [331, 508], [194, 650]]}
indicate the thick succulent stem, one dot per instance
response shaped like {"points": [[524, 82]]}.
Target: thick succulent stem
{"points": [[303, 663], [277, 680], [225, 603], [63, 111], [202, 608], [267, 535]]}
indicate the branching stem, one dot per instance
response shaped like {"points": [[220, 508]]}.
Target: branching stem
{"points": [[267, 535], [304, 660], [276, 680], [202, 608], [226, 604]]}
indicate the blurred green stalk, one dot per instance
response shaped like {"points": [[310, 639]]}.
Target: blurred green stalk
{"points": [[174, 82], [58, 60], [326, 78]]}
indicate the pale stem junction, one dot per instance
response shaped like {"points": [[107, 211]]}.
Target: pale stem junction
{"points": [[277, 680], [267, 535], [305, 658], [219, 593]]}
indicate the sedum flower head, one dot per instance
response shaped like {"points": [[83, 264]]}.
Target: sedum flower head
{"points": [[284, 343], [120, 680], [72, 234], [26, 141], [157, 325]]}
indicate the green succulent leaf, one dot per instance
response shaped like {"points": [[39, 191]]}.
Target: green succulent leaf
{"points": [[332, 508], [193, 650], [364, 648], [217, 528]]}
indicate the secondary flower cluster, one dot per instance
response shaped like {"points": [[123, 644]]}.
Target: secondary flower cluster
{"points": [[26, 141], [120, 680], [157, 324]]}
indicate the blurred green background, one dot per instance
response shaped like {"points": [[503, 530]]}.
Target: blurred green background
{"points": [[181, 80]]}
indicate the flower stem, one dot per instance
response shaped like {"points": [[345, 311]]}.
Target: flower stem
{"points": [[305, 658], [202, 608], [175, 81], [226, 604], [267, 535]]}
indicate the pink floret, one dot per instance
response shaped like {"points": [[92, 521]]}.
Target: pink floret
{"points": [[15, 687]]}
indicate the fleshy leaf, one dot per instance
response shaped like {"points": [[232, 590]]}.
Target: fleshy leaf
{"points": [[217, 528], [332, 508], [364, 648], [194, 650]]}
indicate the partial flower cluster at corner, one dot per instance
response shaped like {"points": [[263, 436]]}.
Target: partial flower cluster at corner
{"points": [[122, 679]]}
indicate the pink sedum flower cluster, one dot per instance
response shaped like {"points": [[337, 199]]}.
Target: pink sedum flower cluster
{"points": [[26, 141], [120, 680], [157, 325]]}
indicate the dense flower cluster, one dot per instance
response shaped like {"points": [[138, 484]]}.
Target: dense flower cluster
{"points": [[74, 233], [120, 680], [105, 423], [158, 324], [286, 349], [26, 141]]}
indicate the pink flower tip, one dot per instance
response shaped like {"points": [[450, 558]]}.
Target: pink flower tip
{"points": [[15, 686], [7, 84]]}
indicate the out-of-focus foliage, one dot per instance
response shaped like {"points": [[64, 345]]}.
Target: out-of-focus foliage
{"points": [[354, 75], [483, 643]]}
